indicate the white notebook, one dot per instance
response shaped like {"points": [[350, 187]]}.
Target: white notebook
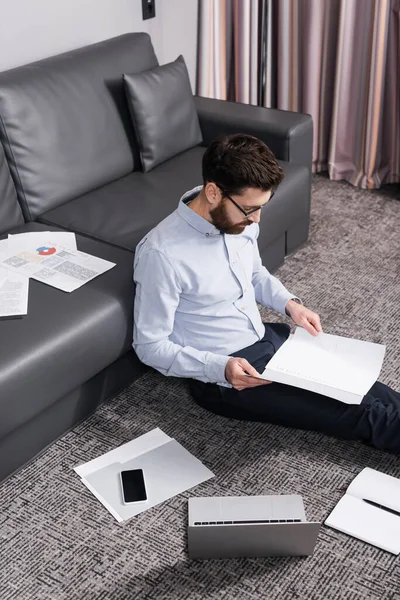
{"points": [[341, 368], [377, 523]]}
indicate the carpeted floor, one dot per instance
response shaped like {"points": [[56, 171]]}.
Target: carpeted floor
{"points": [[58, 542]]}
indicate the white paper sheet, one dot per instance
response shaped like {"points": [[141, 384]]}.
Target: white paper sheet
{"points": [[378, 487], [14, 291], [169, 469], [372, 524], [338, 367], [54, 264], [25, 241], [144, 443], [3, 249]]}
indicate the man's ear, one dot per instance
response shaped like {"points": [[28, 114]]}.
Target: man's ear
{"points": [[212, 193]]}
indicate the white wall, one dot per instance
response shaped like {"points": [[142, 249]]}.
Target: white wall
{"points": [[34, 29]]}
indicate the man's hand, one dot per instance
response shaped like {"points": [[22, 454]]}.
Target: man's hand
{"points": [[304, 317], [242, 375]]}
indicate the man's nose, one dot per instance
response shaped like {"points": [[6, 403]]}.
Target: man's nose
{"points": [[255, 216]]}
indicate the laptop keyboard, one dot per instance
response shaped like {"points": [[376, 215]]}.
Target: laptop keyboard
{"points": [[261, 521]]}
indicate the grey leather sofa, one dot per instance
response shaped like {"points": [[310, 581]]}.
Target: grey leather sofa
{"points": [[69, 160]]}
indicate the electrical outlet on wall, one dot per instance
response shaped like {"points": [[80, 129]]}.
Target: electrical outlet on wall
{"points": [[148, 9]]}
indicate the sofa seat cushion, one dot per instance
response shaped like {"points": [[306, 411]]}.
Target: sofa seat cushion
{"points": [[124, 211], [66, 338]]}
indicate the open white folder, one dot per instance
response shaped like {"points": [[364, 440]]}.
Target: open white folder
{"points": [[168, 468], [370, 510], [341, 368]]}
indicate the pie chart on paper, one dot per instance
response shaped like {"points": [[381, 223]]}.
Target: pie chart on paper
{"points": [[45, 250]]}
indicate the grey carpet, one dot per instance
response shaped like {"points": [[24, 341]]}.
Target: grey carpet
{"points": [[58, 542]]}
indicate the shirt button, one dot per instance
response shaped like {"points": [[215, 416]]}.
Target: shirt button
{"points": [[242, 308], [207, 235], [245, 291]]}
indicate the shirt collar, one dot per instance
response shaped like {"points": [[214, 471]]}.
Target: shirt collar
{"points": [[191, 217]]}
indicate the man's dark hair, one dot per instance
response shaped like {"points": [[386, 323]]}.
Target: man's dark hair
{"points": [[237, 162]]}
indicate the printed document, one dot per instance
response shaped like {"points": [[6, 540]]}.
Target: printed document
{"points": [[3, 249], [335, 366], [24, 241], [55, 264], [14, 291], [370, 510]]}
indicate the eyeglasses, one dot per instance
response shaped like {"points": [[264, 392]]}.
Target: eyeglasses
{"points": [[246, 213]]}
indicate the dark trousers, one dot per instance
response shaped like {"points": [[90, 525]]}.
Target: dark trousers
{"points": [[375, 421]]}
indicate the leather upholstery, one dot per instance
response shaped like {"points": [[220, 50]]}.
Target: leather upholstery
{"points": [[73, 158], [66, 338], [289, 206], [163, 112], [64, 122], [10, 211], [37, 433], [123, 212], [288, 134]]}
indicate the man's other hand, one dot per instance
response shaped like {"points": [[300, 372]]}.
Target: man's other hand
{"points": [[304, 317], [242, 375]]}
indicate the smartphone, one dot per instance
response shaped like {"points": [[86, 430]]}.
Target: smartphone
{"points": [[133, 486]]}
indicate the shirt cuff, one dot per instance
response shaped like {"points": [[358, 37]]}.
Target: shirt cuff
{"points": [[282, 300], [292, 298], [215, 368]]}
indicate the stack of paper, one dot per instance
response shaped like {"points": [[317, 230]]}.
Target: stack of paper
{"points": [[335, 366], [49, 260], [22, 241], [47, 256], [14, 290], [370, 510], [168, 469]]}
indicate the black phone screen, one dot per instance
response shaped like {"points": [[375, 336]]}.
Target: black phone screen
{"points": [[133, 486]]}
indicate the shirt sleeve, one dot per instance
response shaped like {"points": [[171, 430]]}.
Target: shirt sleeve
{"points": [[269, 291], [156, 301]]}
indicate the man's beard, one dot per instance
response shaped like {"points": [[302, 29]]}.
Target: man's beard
{"points": [[221, 221]]}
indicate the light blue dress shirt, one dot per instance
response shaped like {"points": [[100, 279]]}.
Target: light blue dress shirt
{"points": [[196, 295]]}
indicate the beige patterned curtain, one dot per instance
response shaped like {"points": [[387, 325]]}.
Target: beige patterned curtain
{"points": [[338, 60]]}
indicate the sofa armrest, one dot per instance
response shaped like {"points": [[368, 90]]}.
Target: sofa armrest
{"points": [[288, 134]]}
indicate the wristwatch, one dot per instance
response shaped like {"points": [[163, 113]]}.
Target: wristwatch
{"points": [[295, 300]]}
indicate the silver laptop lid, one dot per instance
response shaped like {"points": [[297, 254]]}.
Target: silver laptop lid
{"points": [[232, 509], [232, 527]]}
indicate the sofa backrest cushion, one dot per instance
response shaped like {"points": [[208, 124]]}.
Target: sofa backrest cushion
{"points": [[10, 210], [64, 121], [163, 112]]}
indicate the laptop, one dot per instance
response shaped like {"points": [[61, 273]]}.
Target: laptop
{"points": [[246, 526]]}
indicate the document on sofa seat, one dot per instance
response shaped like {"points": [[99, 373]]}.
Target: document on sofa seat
{"points": [[168, 468], [342, 368], [14, 291], [23, 241], [3, 249], [370, 510], [54, 264]]}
